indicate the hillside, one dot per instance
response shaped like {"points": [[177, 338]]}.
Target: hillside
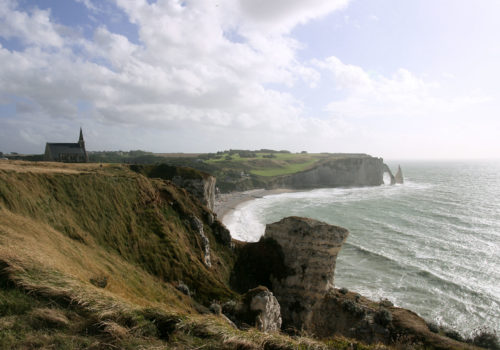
{"points": [[95, 257], [102, 257]]}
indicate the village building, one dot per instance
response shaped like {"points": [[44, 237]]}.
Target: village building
{"points": [[67, 152]]}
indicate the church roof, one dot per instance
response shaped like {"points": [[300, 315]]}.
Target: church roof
{"points": [[67, 148]]}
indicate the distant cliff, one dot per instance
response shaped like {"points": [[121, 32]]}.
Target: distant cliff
{"points": [[343, 172]]}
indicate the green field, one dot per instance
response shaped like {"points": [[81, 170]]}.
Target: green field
{"points": [[263, 165]]}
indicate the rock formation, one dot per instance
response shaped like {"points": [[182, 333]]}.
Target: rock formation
{"points": [[310, 249], [268, 311], [197, 226], [388, 170], [258, 308], [296, 258], [198, 183], [398, 178], [203, 189]]}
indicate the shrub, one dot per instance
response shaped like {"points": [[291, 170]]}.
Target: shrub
{"points": [[215, 308], [453, 334], [383, 317], [485, 339], [433, 327], [386, 302], [349, 305]]}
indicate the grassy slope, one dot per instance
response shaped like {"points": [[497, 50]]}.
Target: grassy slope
{"points": [[63, 225], [142, 220]]}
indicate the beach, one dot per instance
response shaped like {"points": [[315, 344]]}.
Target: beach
{"points": [[226, 202]]}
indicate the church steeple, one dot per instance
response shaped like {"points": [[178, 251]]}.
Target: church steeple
{"points": [[80, 140]]}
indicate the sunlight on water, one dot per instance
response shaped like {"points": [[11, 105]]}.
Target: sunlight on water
{"points": [[431, 245]]}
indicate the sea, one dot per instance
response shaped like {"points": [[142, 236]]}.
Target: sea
{"points": [[431, 245]]}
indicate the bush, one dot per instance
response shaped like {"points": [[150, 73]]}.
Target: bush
{"points": [[453, 334], [215, 308], [433, 327], [383, 317], [386, 302], [485, 339], [349, 305]]}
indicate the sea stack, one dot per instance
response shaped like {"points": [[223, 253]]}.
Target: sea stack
{"points": [[399, 176], [310, 249]]}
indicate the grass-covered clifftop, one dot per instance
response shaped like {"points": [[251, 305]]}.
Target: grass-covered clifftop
{"points": [[235, 170], [90, 257]]}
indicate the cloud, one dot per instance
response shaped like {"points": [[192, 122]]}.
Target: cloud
{"points": [[403, 94], [89, 5], [32, 28], [177, 77], [283, 15]]}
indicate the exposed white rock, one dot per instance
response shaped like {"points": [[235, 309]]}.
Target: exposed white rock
{"points": [[203, 189], [269, 312], [399, 176], [197, 225], [310, 249]]}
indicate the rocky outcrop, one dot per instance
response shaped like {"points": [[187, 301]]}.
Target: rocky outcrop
{"points": [[258, 308], [198, 183], [202, 188], [398, 178], [296, 258], [310, 249], [197, 226], [265, 304], [391, 176]]}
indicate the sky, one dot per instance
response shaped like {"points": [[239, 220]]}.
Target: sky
{"points": [[394, 79]]}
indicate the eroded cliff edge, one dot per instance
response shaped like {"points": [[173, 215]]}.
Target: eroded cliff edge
{"points": [[296, 260], [357, 171]]}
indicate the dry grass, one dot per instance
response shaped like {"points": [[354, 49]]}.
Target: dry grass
{"points": [[50, 249], [122, 214], [50, 167]]}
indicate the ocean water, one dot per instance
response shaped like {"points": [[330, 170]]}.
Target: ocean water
{"points": [[431, 245]]}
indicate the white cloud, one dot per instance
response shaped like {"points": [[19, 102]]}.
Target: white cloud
{"points": [[90, 5], [34, 28], [401, 95], [187, 69], [283, 15]]}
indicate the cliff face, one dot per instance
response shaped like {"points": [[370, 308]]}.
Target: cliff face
{"points": [[296, 260], [201, 185], [310, 249], [203, 189], [355, 172]]}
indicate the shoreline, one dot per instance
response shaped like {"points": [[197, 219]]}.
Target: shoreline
{"points": [[225, 203]]}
